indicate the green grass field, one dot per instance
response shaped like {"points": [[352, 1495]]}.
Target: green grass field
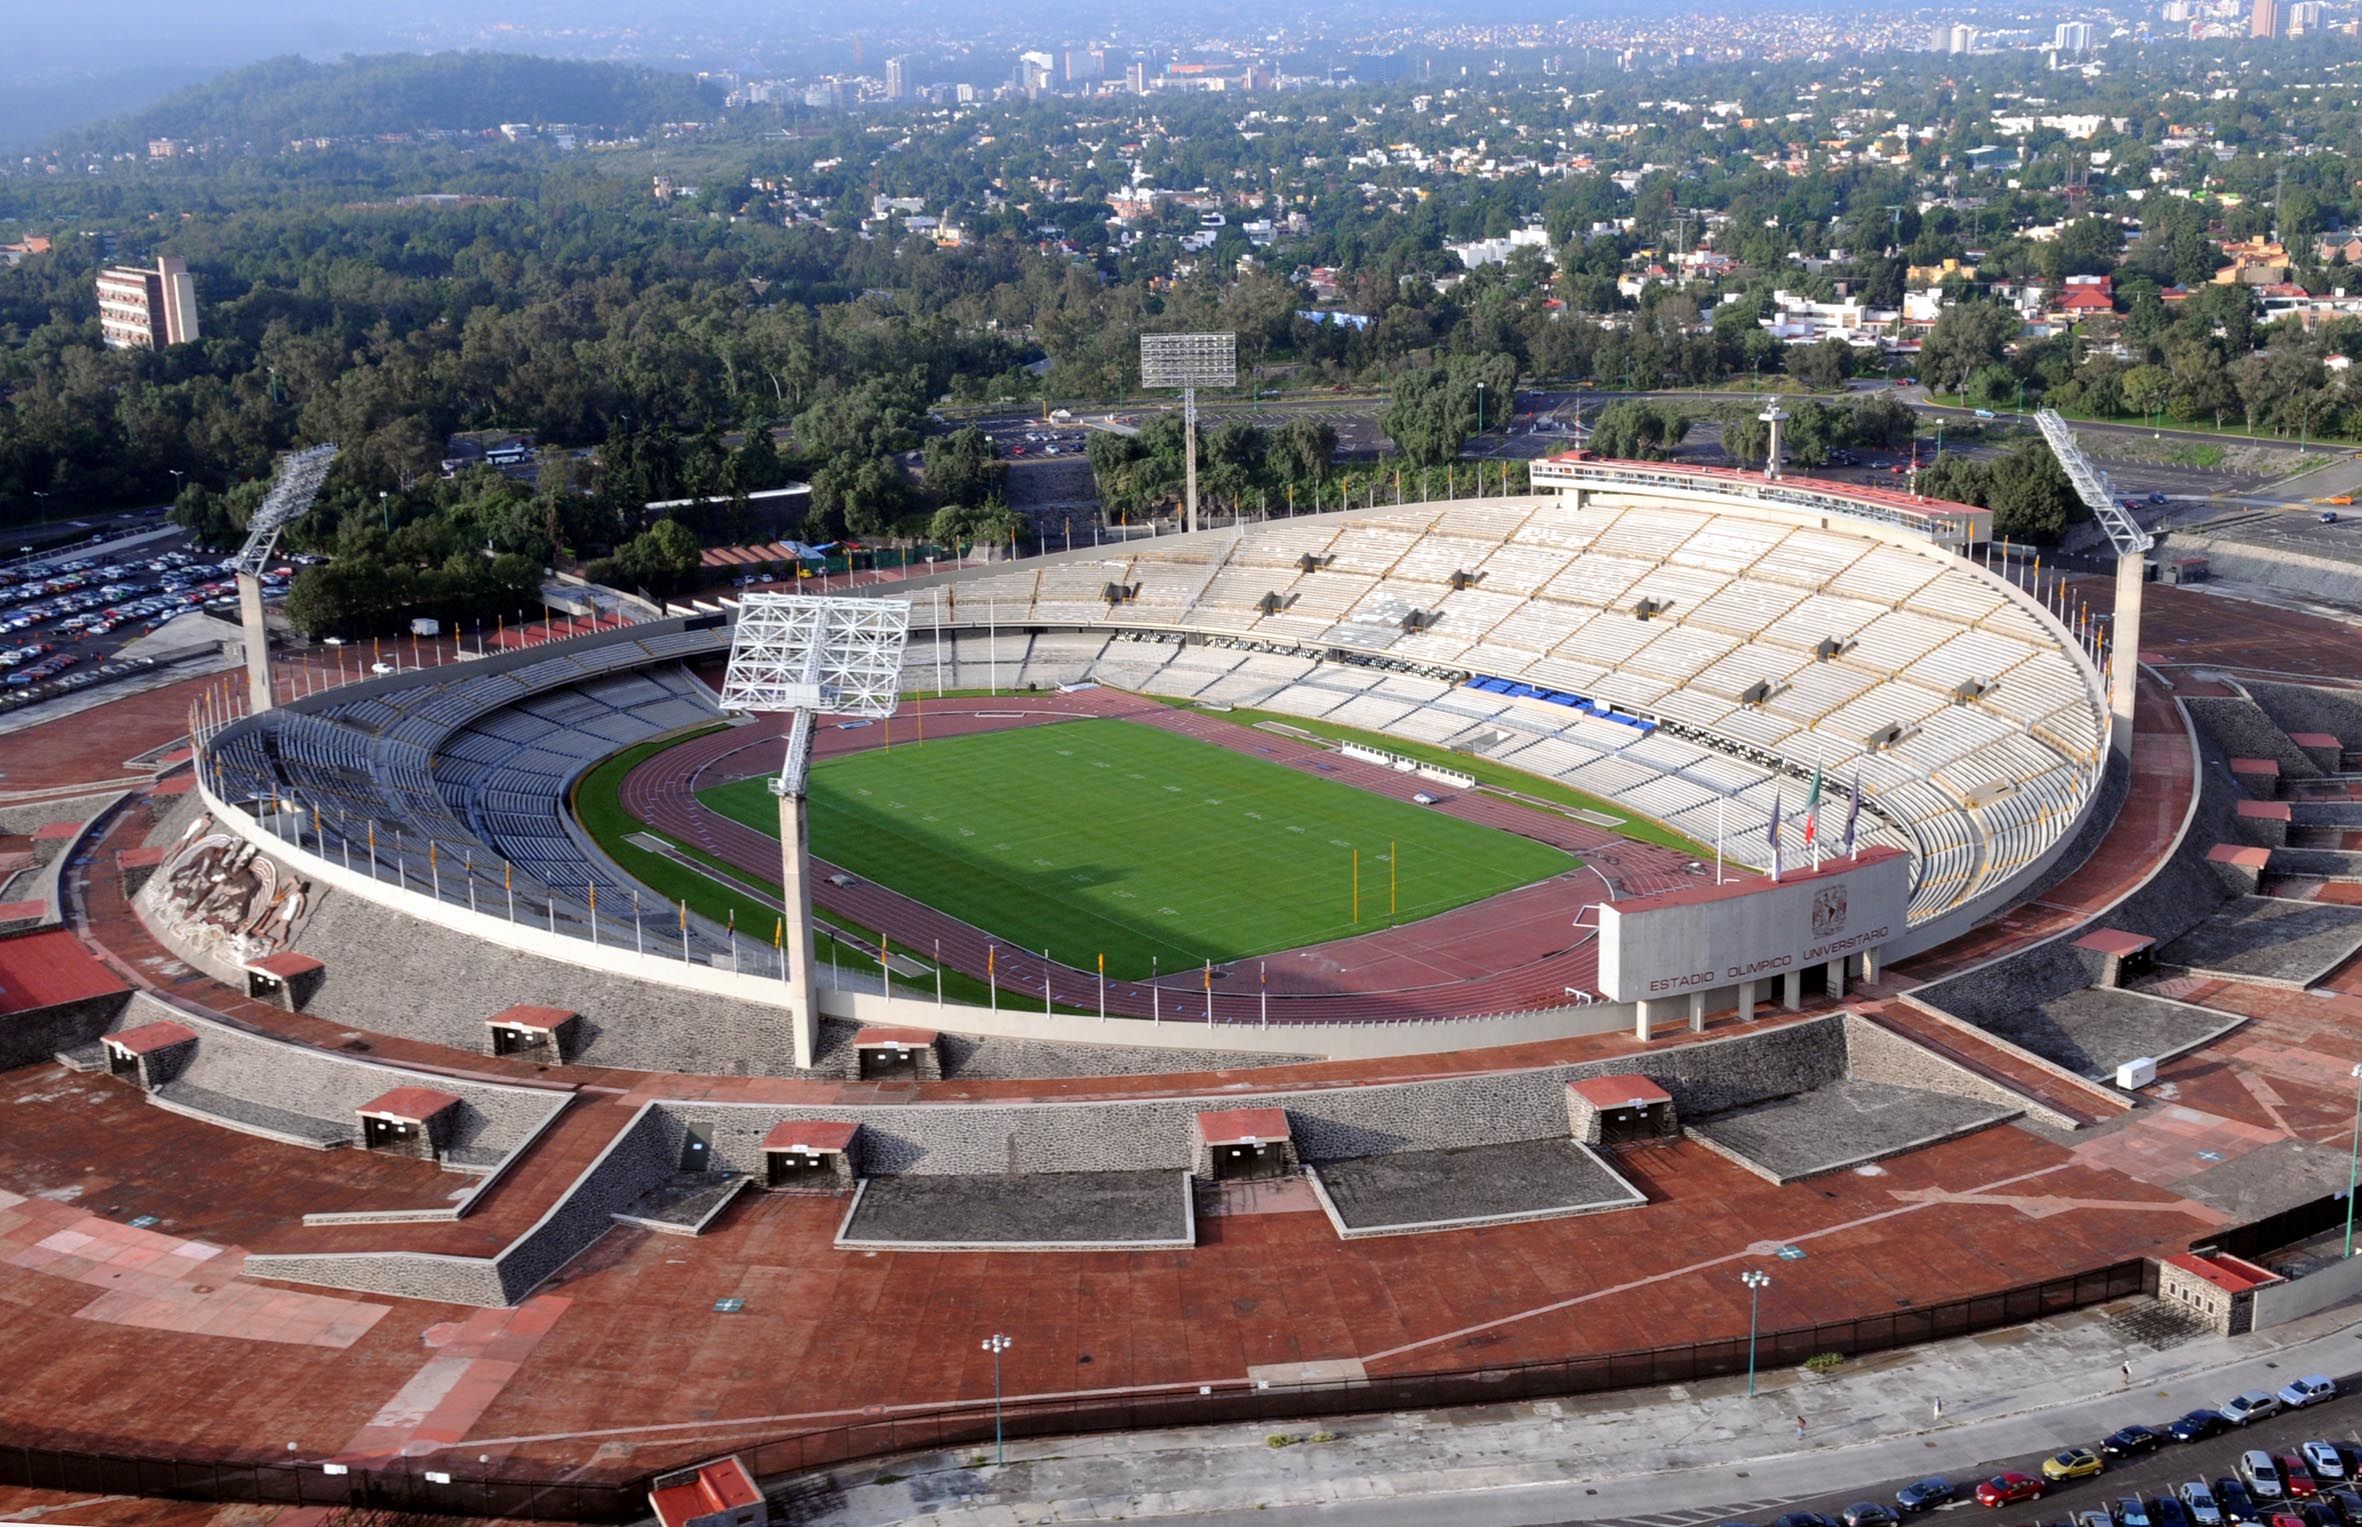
{"points": [[1091, 837]]}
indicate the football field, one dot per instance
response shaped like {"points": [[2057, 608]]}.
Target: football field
{"points": [[1108, 837]]}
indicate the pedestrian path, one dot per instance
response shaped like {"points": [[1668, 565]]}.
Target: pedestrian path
{"points": [[1673, 1456]]}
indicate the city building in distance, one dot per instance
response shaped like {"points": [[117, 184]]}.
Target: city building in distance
{"points": [[143, 309]]}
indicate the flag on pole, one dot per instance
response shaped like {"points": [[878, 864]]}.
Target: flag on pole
{"points": [[779, 933], [1209, 978], [1774, 832], [1853, 814], [684, 916], [1812, 808]]}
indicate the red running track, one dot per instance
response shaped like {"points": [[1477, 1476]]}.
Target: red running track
{"points": [[1508, 953]]}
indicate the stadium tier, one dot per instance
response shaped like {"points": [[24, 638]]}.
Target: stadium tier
{"points": [[1693, 663]]}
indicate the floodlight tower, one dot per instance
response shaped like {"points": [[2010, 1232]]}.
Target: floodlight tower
{"points": [[2132, 569], [1774, 416], [291, 494], [1189, 361], [809, 657]]}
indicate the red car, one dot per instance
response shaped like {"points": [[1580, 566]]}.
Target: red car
{"points": [[2295, 1478], [2008, 1490]]}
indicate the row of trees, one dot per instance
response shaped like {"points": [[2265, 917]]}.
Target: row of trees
{"points": [[1240, 466]]}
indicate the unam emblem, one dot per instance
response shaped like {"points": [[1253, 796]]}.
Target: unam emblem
{"points": [[1828, 911]]}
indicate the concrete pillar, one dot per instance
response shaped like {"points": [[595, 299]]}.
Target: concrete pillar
{"points": [[1792, 990], [1642, 1029], [2131, 571], [1836, 970], [1746, 1002], [795, 880], [1697, 1012], [258, 645], [1189, 456], [1869, 966]]}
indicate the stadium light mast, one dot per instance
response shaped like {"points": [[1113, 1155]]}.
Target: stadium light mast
{"points": [[809, 657], [2132, 545], [1189, 361], [291, 494], [1773, 416]]}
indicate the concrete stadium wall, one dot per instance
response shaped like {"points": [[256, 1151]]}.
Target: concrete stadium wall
{"points": [[2279, 1303], [2287, 571], [964, 1139]]}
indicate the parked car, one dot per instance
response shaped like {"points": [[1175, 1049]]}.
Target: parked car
{"points": [[2133, 1511], [2132, 1441], [2074, 1463], [1802, 1519], [2009, 1489], [2312, 1389], [1866, 1513], [2251, 1407], [1925, 1495], [2198, 1501], [2345, 1501], [2233, 1499], [2323, 1460], [2198, 1425], [2156, 498], [2295, 1479], [2165, 1511], [2262, 1476]]}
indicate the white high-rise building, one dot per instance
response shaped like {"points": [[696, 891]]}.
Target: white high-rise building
{"points": [[1961, 39], [2072, 37]]}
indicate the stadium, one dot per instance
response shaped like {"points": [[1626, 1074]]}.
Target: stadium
{"points": [[1387, 957]]}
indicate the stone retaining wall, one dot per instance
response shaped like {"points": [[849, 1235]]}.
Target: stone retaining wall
{"points": [[297, 1079], [633, 1163], [1875, 1053], [2242, 729], [2306, 708]]}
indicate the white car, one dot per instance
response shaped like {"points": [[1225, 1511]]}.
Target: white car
{"points": [[2255, 1405], [2312, 1389], [2199, 1502], [2262, 1476], [2324, 1461]]}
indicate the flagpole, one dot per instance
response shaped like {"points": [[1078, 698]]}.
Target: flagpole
{"points": [[1720, 802]]}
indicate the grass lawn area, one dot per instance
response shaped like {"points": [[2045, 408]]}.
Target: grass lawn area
{"points": [[1486, 772], [1104, 836], [598, 806]]}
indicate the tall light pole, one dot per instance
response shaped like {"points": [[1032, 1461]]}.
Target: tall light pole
{"points": [[2353, 1161], [1480, 408], [1189, 361], [996, 1344], [1756, 1283]]}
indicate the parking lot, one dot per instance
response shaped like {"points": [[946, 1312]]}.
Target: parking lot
{"points": [[69, 612], [2139, 1480]]}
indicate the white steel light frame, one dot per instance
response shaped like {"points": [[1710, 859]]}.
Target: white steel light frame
{"points": [[810, 656], [298, 482], [1189, 360], [2092, 486]]}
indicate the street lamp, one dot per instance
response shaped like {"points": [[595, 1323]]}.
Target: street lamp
{"points": [[1480, 408], [1756, 1283], [996, 1344], [2353, 1160]]}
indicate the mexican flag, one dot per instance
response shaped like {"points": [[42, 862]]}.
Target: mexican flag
{"points": [[1812, 808]]}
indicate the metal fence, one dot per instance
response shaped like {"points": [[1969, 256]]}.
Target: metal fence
{"points": [[446, 1487]]}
